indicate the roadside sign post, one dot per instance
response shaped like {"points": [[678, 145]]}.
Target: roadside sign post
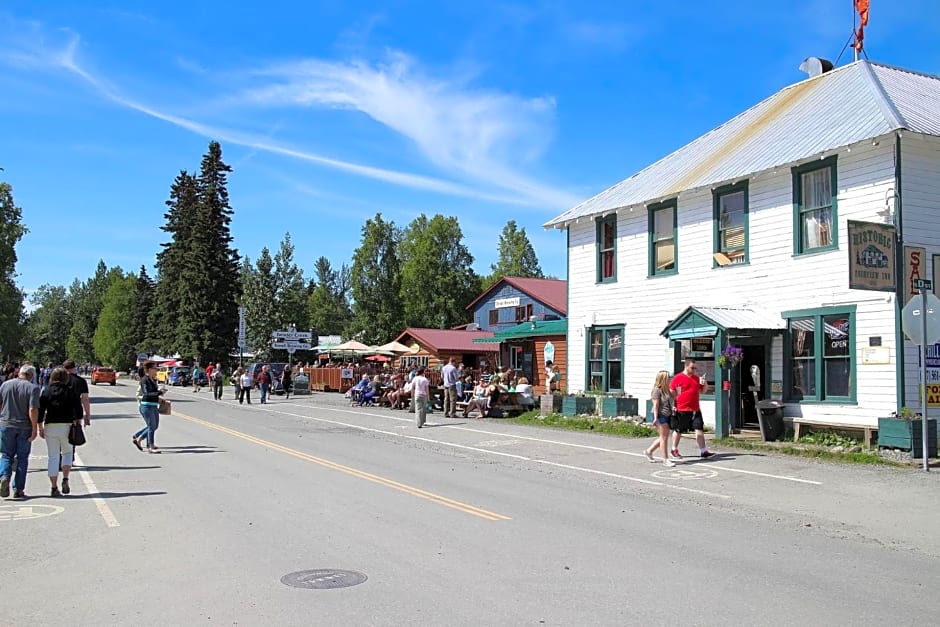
{"points": [[241, 335], [921, 322], [291, 340]]}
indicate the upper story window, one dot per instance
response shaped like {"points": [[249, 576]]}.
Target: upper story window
{"points": [[494, 317], [523, 312], [662, 230], [607, 249], [731, 224], [815, 212]]}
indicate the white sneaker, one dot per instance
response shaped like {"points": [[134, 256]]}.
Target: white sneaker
{"points": [[649, 457], [668, 463]]}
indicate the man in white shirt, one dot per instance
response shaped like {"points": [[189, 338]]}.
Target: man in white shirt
{"points": [[421, 387]]}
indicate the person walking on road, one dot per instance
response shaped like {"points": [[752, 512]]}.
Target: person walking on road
{"points": [[80, 387], [19, 416], [217, 381], [150, 394], [287, 381], [687, 386], [449, 381], [245, 381], [421, 388], [663, 408], [197, 378], [59, 407], [264, 383]]}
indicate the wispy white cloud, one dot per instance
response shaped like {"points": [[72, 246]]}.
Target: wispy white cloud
{"points": [[479, 138], [479, 135]]}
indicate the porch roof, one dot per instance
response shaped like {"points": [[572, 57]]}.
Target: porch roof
{"points": [[539, 328], [708, 321]]}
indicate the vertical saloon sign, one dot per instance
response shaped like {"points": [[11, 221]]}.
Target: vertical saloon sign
{"points": [[871, 256]]}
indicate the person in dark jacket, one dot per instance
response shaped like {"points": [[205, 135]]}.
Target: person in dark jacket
{"points": [[150, 394], [59, 407], [286, 381]]}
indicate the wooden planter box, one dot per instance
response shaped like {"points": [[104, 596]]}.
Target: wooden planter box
{"points": [[550, 404], [575, 405], [906, 435], [616, 406]]}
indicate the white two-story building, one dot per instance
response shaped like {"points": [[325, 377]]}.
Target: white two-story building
{"points": [[742, 238]]}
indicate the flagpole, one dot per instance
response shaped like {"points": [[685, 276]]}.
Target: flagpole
{"points": [[854, 30]]}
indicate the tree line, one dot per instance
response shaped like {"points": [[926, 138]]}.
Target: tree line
{"points": [[417, 275]]}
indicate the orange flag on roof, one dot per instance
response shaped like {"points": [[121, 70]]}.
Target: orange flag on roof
{"points": [[862, 7]]}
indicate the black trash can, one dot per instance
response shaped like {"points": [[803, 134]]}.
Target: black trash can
{"points": [[770, 416]]}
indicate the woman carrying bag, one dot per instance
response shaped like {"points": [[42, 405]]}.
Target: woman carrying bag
{"points": [[59, 409], [150, 394]]}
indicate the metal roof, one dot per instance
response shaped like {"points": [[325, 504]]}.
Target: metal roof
{"points": [[725, 318], [551, 292], [847, 105], [539, 328]]}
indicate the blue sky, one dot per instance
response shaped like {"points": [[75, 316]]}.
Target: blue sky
{"points": [[332, 111]]}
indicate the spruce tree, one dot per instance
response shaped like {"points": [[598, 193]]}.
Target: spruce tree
{"points": [[11, 298], [209, 297], [516, 255], [164, 334], [144, 298]]}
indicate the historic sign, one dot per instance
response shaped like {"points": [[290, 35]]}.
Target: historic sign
{"points": [[915, 267], [871, 256]]}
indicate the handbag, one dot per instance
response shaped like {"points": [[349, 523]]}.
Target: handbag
{"points": [[166, 407], [76, 434]]}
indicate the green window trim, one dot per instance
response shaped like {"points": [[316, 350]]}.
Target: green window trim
{"points": [[799, 246], [606, 253], [819, 357], [653, 209], [598, 368], [720, 249]]}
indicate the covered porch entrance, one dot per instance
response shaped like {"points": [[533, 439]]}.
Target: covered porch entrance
{"points": [[704, 333]]}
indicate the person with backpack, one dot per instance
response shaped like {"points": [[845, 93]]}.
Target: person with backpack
{"points": [[217, 380], [197, 378], [59, 407]]}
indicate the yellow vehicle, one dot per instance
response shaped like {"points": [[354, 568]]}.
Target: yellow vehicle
{"points": [[163, 373]]}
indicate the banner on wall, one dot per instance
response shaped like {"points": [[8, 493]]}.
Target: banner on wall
{"points": [[871, 256], [915, 267]]}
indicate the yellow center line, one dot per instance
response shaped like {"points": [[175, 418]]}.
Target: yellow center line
{"points": [[395, 485]]}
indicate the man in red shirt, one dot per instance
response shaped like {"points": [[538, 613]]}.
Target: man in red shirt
{"points": [[687, 386]]}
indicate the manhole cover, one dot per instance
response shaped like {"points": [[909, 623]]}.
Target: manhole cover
{"points": [[323, 579]]}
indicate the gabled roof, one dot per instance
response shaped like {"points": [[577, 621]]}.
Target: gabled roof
{"points": [[541, 328], [551, 292], [447, 340], [853, 103]]}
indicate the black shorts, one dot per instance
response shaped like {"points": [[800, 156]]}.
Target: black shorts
{"points": [[683, 421]]}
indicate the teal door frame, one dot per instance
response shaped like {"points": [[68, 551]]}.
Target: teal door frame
{"points": [[734, 405]]}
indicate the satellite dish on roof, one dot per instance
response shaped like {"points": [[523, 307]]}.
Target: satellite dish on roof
{"points": [[814, 66]]}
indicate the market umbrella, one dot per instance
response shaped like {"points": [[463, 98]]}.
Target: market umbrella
{"points": [[351, 345], [378, 358], [394, 347]]}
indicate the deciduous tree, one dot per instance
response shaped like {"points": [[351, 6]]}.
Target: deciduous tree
{"points": [[114, 335], [437, 276], [376, 283]]}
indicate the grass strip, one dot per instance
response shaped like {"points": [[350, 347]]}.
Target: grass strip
{"points": [[621, 428], [812, 452]]}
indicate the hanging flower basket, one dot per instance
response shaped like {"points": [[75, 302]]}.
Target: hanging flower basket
{"points": [[730, 357]]}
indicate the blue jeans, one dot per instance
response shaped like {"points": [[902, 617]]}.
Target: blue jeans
{"points": [[152, 418], [264, 392], [14, 443]]}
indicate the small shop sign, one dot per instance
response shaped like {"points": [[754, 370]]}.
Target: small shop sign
{"points": [[871, 256]]}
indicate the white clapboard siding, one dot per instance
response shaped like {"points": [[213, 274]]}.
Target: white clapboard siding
{"points": [[773, 280], [920, 185]]}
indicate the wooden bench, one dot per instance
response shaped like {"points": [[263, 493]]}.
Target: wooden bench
{"points": [[799, 423]]}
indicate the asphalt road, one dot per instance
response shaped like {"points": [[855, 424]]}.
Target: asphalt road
{"points": [[467, 522]]}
